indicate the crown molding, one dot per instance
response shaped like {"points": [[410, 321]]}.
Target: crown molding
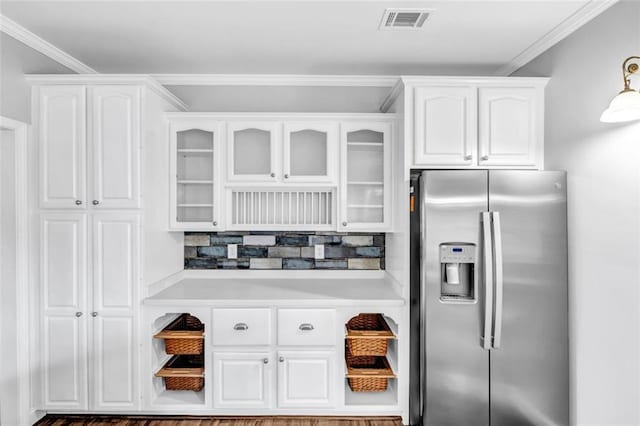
{"points": [[139, 79], [275, 80], [583, 15], [25, 36]]}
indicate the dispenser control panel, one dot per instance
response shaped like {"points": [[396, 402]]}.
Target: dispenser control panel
{"points": [[457, 272], [462, 253]]}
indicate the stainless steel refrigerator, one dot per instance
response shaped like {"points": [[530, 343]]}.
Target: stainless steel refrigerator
{"points": [[489, 298]]}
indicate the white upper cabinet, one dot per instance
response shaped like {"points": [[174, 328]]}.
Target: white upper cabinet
{"points": [[509, 123], [310, 151], [114, 147], [308, 172], [62, 146], [445, 125], [89, 143], [277, 152], [482, 122], [253, 151], [365, 198], [195, 174]]}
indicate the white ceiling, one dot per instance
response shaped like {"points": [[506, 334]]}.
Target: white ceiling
{"points": [[290, 37]]}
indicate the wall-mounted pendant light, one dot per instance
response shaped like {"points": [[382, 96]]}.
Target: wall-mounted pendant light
{"points": [[626, 105]]}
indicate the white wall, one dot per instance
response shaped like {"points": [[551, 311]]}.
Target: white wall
{"points": [[17, 59], [8, 314], [603, 165]]}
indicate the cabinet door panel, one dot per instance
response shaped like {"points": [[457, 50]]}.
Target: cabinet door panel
{"points": [[365, 192], [253, 151], [115, 261], [114, 363], [508, 126], [115, 146], [195, 175], [445, 126], [242, 380], [306, 379], [63, 260], [62, 142], [65, 363], [310, 153]]}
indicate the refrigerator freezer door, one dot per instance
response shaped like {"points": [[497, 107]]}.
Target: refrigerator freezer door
{"points": [[530, 368], [455, 367]]}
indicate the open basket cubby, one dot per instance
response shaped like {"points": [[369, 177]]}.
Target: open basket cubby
{"points": [[178, 361]]}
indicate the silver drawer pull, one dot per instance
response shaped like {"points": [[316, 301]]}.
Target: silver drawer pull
{"points": [[306, 327], [241, 326]]}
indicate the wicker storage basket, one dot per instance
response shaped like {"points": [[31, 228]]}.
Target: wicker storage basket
{"points": [[367, 335], [184, 336], [368, 373], [183, 372]]}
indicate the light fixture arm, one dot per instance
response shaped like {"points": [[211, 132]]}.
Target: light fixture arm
{"points": [[629, 69]]}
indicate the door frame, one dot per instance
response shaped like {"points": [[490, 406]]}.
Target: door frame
{"points": [[20, 141]]}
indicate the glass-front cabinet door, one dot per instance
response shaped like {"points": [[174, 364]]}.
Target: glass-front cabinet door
{"points": [[195, 175], [365, 176], [310, 152], [252, 152]]}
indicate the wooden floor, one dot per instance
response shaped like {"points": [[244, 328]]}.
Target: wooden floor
{"points": [[77, 420]]}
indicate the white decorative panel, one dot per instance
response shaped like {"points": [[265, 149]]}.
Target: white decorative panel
{"points": [[115, 264], [65, 369], [115, 146], [114, 354], [62, 146]]}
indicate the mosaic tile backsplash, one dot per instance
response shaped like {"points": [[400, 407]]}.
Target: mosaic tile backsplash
{"points": [[283, 250]]}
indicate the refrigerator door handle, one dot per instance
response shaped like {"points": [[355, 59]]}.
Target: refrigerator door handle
{"points": [[487, 254], [497, 250]]}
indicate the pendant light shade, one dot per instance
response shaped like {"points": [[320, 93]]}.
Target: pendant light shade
{"points": [[626, 105]]}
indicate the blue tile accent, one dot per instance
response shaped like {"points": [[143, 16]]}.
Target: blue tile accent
{"points": [[324, 239], [201, 263], [244, 251], [292, 240], [226, 239], [368, 251], [213, 251], [331, 264], [342, 250], [297, 263]]}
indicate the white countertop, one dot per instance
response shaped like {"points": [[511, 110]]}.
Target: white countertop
{"points": [[236, 291]]}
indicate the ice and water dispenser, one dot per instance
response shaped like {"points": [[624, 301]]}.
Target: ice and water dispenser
{"points": [[457, 272]]}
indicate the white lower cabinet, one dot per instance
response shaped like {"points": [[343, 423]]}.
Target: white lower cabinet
{"points": [[88, 297], [241, 380], [306, 379]]}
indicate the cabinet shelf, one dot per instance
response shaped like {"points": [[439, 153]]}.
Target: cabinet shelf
{"points": [[194, 182], [374, 144], [365, 206], [371, 183], [195, 151]]}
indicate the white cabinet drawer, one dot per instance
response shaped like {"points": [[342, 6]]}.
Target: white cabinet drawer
{"points": [[311, 327], [232, 327]]}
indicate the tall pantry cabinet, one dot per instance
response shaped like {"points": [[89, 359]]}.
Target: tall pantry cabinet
{"points": [[91, 202]]}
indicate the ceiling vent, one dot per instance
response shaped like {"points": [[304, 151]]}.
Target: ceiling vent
{"points": [[404, 19]]}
